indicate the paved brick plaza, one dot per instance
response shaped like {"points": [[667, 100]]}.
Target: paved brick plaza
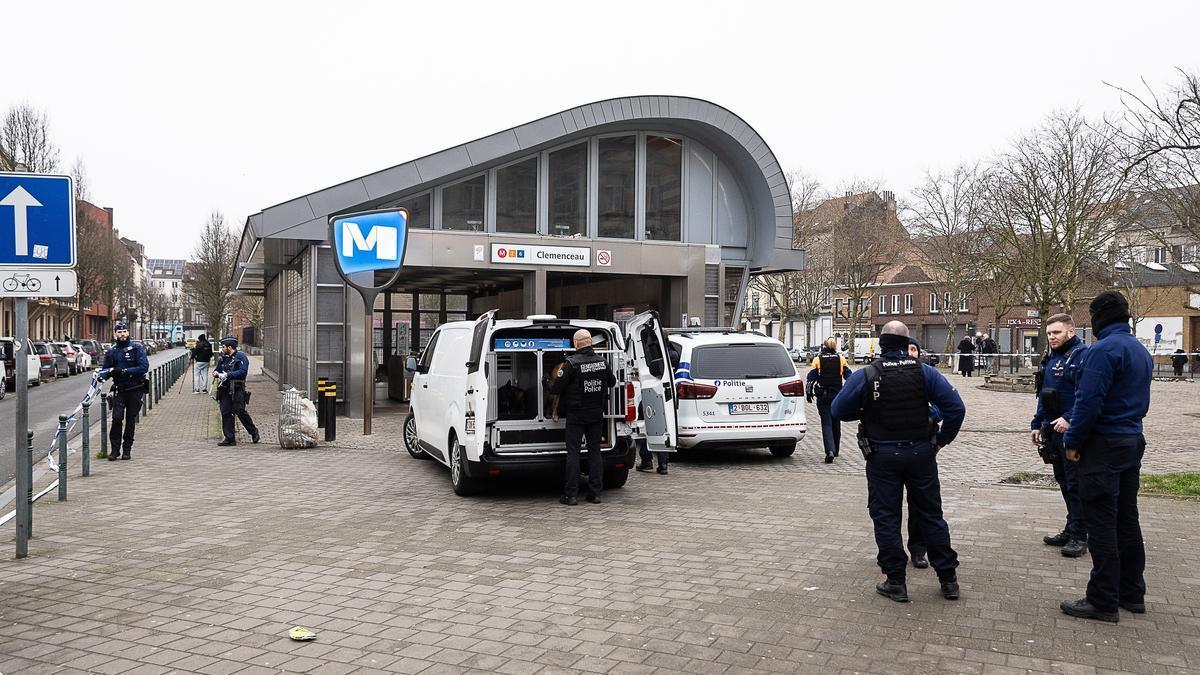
{"points": [[197, 558]]}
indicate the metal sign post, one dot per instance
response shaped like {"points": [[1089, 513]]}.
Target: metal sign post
{"points": [[369, 241], [37, 259]]}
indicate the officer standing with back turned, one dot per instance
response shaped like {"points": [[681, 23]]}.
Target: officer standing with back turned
{"points": [[900, 441], [126, 364], [231, 370], [583, 388], [825, 380]]}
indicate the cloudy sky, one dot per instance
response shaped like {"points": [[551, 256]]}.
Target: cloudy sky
{"points": [[180, 108]]}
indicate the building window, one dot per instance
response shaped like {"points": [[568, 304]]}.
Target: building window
{"points": [[933, 304], [516, 197], [883, 304], [837, 307], [895, 304], [908, 303], [462, 205], [618, 163], [946, 301], [1160, 255], [664, 188], [1189, 253], [418, 211], [963, 305], [568, 190]]}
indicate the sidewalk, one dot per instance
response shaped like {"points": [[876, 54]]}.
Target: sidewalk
{"points": [[194, 558]]}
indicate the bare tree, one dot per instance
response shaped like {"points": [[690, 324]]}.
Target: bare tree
{"points": [[252, 309], [211, 271], [864, 244], [1051, 203], [25, 139], [97, 262]]}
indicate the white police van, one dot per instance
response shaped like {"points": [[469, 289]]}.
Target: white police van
{"points": [[714, 387], [479, 407]]}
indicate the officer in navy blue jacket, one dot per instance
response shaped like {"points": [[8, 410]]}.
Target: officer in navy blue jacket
{"points": [[1105, 441], [892, 398], [232, 368], [1055, 398], [125, 363]]}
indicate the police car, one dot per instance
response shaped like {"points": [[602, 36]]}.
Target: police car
{"points": [[731, 388]]}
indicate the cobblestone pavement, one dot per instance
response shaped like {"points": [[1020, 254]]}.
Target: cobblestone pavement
{"points": [[197, 558]]}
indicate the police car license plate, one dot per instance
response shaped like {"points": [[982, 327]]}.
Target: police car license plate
{"points": [[749, 408]]}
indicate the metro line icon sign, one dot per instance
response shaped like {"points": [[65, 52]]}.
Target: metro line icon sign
{"points": [[370, 241], [37, 221]]}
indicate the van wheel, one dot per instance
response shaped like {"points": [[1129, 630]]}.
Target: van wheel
{"points": [[615, 478], [783, 450], [463, 485], [410, 438]]}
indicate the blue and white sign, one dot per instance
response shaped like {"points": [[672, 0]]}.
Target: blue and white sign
{"points": [[37, 221], [510, 344], [366, 242]]}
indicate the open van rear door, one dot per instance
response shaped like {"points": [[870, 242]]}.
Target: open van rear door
{"points": [[655, 380]]}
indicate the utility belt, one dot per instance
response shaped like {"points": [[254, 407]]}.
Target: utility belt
{"points": [[1049, 447], [129, 387], [869, 447]]}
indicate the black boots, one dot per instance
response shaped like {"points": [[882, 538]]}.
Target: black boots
{"points": [[1086, 610], [892, 590], [1059, 539], [1074, 548], [920, 561], [569, 501]]}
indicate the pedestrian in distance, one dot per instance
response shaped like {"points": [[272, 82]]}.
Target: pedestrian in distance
{"points": [[892, 397], [966, 358], [825, 380], [125, 363], [583, 389], [1178, 361], [1055, 388], [202, 355], [1106, 443], [232, 368]]}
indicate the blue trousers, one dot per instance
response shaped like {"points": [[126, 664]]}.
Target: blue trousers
{"points": [[646, 456], [891, 470], [1109, 474], [831, 429], [1068, 483]]}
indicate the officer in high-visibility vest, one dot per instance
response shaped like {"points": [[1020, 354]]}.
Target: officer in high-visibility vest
{"points": [[825, 380]]}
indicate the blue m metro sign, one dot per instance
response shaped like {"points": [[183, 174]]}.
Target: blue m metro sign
{"points": [[370, 241]]}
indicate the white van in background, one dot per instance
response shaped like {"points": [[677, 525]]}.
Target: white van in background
{"points": [[478, 404]]}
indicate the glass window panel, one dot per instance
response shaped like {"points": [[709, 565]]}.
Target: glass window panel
{"points": [[516, 197], [664, 188], [431, 301], [568, 190], [418, 211], [456, 302], [618, 161], [462, 205]]}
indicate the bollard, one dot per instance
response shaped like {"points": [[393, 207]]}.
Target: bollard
{"points": [[62, 458], [29, 493], [103, 424], [87, 443], [150, 398], [321, 402], [330, 412]]}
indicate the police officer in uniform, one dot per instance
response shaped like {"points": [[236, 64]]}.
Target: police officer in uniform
{"points": [[1056, 396], [825, 380], [126, 364], [1105, 441], [231, 370], [583, 388], [892, 398]]}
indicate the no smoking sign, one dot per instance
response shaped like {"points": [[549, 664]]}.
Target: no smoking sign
{"points": [[604, 258]]}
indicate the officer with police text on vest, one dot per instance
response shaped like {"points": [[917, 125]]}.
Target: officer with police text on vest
{"points": [[1056, 396], [126, 364], [825, 380], [892, 398], [231, 370], [583, 389], [1105, 441]]}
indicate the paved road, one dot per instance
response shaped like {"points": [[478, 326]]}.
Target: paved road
{"points": [[46, 403]]}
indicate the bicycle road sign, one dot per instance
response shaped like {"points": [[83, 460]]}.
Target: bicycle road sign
{"points": [[37, 221], [37, 283]]}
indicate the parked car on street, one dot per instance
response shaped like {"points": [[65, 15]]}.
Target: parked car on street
{"points": [[85, 359], [74, 364], [147, 345], [9, 356], [739, 390], [93, 349], [53, 362], [796, 353]]}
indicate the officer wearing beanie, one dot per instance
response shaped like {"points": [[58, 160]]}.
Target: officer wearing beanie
{"points": [[1105, 442], [231, 370], [125, 363], [900, 440]]}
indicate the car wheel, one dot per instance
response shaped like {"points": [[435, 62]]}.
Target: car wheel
{"points": [[783, 450], [615, 478], [410, 438], [463, 484]]}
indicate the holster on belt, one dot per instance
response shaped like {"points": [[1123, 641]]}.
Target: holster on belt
{"points": [[864, 443], [1047, 448]]}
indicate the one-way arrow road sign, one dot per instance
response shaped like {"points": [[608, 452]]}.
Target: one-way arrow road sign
{"points": [[37, 221]]}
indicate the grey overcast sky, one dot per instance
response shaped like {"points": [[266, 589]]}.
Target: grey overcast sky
{"points": [[179, 108]]}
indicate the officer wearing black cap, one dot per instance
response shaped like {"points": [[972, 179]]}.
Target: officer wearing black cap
{"points": [[125, 363], [1105, 441], [900, 440], [232, 368]]}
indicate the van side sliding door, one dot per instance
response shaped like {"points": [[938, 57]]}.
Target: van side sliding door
{"points": [[655, 381]]}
